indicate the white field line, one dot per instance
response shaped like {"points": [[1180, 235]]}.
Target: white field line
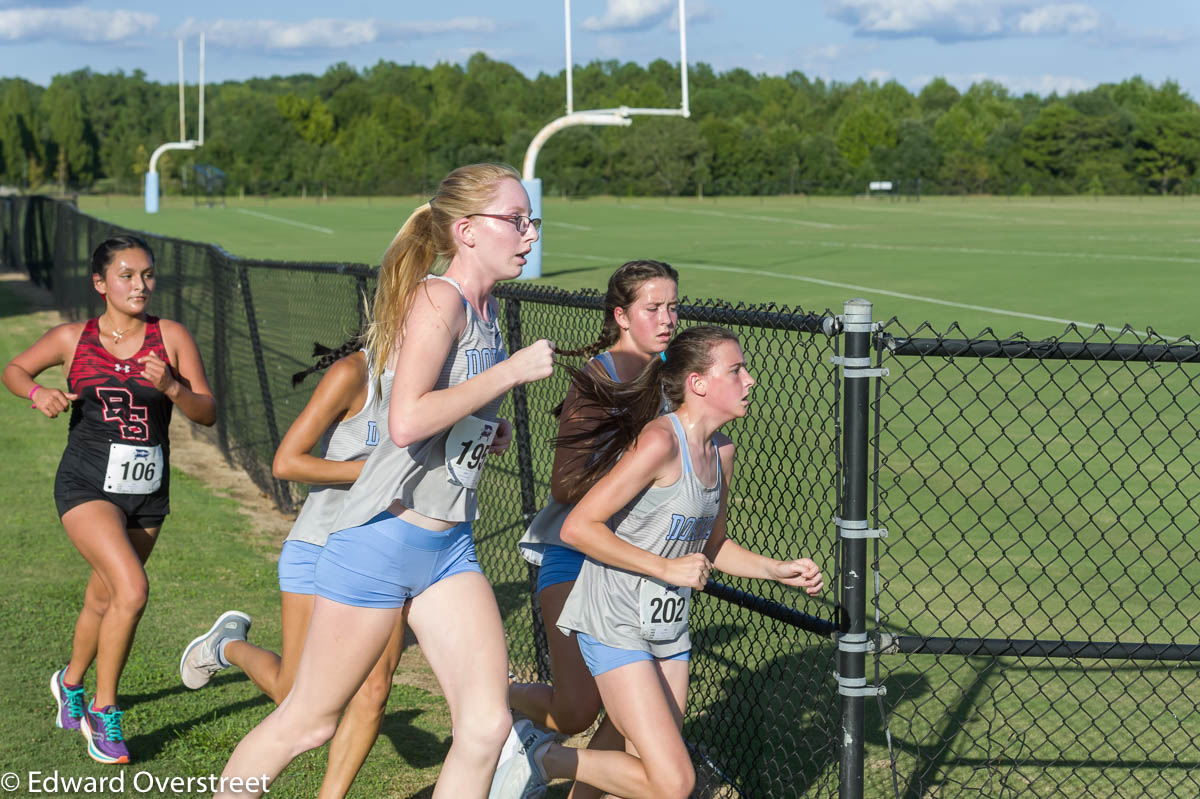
{"points": [[285, 221], [1101, 256], [725, 215], [869, 290], [566, 225]]}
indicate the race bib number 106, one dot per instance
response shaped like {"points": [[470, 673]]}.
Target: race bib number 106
{"points": [[133, 469]]}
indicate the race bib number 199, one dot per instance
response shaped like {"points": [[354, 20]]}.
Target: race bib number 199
{"points": [[664, 610], [133, 469], [466, 450]]}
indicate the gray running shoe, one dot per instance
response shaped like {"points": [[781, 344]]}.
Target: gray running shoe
{"points": [[200, 660]]}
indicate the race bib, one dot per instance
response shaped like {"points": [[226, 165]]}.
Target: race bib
{"points": [[664, 610], [466, 449], [133, 469]]}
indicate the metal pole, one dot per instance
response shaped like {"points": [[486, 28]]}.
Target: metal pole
{"points": [[570, 93], [853, 533], [683, 71], [182, 125]]}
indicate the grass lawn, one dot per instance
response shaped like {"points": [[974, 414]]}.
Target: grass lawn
{"points": [[203, 564]]}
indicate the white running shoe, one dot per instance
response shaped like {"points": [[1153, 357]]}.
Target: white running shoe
{"points": [[201, 658], [519, 774]]}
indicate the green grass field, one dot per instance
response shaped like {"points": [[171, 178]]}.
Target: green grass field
{"points": [[205, 562], [1034, 535], [1043, 262]]}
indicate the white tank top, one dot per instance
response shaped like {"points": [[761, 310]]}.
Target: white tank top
{"points": [[417, 475]]}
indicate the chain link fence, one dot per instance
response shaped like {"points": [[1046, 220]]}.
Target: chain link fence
{"points": [[1034, 599], [1038, 610]]}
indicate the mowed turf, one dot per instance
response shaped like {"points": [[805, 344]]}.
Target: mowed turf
{"points": [[1013, 264], [203, 564], [1106, 260]]}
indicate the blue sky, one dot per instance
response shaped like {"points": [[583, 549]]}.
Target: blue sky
{"points": [[1027, 45]]}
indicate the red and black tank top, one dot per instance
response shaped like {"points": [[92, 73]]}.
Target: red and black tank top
{"points": [[116, 402]]}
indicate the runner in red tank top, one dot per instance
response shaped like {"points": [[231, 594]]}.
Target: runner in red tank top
{"points": [[126, 371]]}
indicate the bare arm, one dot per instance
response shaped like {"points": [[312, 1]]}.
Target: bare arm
{"points": [[417, 411], [340, 394], [54, 348], [187, 384], [732, 558], [648, 462]]}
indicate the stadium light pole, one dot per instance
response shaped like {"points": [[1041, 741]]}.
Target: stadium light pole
{"points": [[618, 117], [184, 143]]}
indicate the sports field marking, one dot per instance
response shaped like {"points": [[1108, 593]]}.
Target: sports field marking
{"points": [[317, 228], [901, 209], [566, 225], [870, 290], [726, 215], [1103, 256]]}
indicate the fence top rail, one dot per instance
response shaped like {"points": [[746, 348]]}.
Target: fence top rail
{"points": [[768, 316], [1049, 349]]}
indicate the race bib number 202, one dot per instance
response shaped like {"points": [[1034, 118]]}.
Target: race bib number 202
{"points": [[664, 610]]}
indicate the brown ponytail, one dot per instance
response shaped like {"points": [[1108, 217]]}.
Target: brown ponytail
{"points": [[621, 410]]}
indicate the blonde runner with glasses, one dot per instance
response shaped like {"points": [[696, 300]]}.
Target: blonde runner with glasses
{"points": [[404, 536]]}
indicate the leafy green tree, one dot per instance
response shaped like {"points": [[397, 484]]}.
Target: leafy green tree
{"points": [[1167, 148]]}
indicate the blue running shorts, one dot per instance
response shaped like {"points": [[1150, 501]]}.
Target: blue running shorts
{"points": [[601, 657], [559, 565], [386, 561], [297, 564]]}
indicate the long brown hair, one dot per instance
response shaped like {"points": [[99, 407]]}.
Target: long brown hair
{"points": [[619, 411], [423, 240], [623, 287]]}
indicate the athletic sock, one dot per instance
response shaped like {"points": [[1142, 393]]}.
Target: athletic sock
{"points": [[221, 652]]}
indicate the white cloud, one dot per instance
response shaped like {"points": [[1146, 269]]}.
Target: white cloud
{"points": [[324, 34], [74, 24], [878, 75], [960, 20], [1070, 18], [1042, 85], [632, 15]]}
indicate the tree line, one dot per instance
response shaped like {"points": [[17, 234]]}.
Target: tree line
{"points": [[396, 129]]}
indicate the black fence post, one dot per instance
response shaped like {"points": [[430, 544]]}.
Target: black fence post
{"points": [[283, 493], [523, 436], [216, 269], [853, 533]]}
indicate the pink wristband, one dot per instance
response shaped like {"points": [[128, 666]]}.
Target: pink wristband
{"points": [[32, 391]]}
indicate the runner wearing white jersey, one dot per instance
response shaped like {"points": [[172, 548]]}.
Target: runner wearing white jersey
{"points": [[652, 527], [407, 538]]}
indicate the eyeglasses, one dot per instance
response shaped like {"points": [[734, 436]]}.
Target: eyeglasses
{"points": [[521, 223]]}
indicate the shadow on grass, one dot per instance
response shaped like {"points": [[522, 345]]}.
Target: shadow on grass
{"points": [[419, 748], [148, 746], [775, 729]]}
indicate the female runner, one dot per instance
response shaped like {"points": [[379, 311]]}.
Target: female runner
{"points": [[126, 371], [404, 534], [347, 415], [639, 319], [652, 528]]}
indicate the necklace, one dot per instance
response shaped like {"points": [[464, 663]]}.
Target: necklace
{"points": [[117, 335]]}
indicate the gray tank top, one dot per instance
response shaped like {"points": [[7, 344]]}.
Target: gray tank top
{"points": [[606, 602], [352, 439], [417, 475], [545, 529]]}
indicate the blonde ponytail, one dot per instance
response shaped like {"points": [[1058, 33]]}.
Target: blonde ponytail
{"points": [[425, 244]]}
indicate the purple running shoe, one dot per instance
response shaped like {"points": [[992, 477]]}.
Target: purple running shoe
{"points": [[102, 728], [70, 701]]}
